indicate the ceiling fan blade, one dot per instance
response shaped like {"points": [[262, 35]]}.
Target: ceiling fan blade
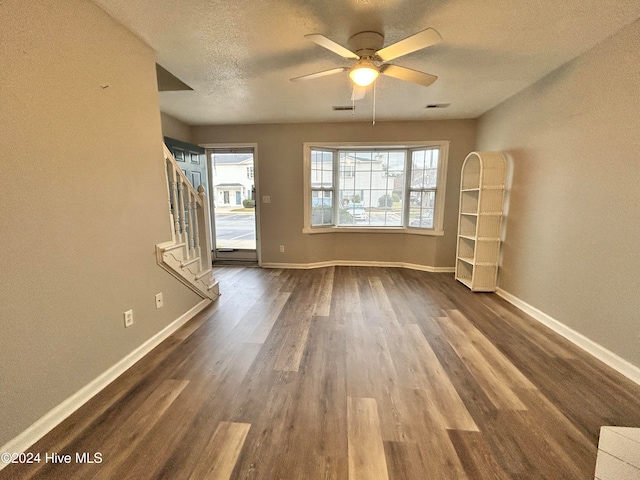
{"points": [[418, 41], [324, 73], [331, 45], [408, 75], [358, 92]]}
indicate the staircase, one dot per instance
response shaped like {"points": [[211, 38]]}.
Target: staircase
{"points": [[188, 255]]}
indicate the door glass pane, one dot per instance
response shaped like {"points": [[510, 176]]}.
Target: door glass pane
{"points": [[234, 205]]}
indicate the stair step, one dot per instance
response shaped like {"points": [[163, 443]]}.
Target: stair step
{"points": [[203, 274], [189, 262], [174, 247]]}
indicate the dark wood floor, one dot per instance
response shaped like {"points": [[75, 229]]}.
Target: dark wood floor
{"points": [[349, 373]]}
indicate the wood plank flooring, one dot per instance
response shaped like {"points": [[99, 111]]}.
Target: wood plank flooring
{"points": [[348, 373]]}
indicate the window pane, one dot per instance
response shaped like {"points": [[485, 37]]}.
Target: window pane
{"points": [[422, 209], [371, 187], [321, 169], [394, 164], [424, 169], [321, 207]]}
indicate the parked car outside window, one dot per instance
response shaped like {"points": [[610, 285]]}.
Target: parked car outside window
{"points": [[357, 211]]}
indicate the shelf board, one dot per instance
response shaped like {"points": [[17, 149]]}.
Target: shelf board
{"points": [[474, 214], [491, 214], [486, 289], [468, 237], [477, 189], [468, 260], [465, 281]]}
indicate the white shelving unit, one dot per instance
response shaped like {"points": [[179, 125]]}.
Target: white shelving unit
{"points": [[481, 203]]}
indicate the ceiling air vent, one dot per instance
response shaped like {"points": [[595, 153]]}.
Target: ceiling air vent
{"points": [[438, 105], [343, 108]]}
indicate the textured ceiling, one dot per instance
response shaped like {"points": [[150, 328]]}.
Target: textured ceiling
{"points": [[239, 55]]}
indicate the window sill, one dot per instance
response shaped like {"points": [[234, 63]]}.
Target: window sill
{"points": [[404, 230]]}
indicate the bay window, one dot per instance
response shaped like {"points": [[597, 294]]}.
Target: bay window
{"points": [[375, 187]]}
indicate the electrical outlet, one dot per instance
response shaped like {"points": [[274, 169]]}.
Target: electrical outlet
{"points": [[128, 318], [159, 300], [281, 248]]}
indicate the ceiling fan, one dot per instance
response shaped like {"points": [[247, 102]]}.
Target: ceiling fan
{"points": [[366, 48]]}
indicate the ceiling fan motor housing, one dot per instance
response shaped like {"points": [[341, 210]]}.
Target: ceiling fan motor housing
{"points": [[366, 44]]}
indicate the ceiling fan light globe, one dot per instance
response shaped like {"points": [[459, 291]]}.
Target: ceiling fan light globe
{"points": [[363, 76]]}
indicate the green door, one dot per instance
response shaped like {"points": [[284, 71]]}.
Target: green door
{"points": [[192, 161]]}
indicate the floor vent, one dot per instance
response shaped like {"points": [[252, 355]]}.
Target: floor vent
{"points": [[343, 108]]}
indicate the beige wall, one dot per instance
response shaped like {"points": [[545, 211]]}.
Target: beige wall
{"points": [[174, 128], [280, 169], [572, 246], [83, 203]]}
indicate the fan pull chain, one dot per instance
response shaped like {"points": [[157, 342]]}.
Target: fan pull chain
{"points": [[374, 103]]}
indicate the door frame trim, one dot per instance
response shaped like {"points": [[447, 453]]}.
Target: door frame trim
{"points": [[209, 147]]}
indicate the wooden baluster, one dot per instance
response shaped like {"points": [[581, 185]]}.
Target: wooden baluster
{"points": [[174, 201], [196, 228], [190, 240], [183, 222]]}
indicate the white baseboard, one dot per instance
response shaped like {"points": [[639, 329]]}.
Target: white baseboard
{"points": [[357, 263], [601, 353], [55, 416]]}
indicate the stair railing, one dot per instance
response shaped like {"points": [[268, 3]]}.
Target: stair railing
{"points": [[190, 249]]}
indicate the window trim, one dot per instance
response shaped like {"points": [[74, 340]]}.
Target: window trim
{"points": [[438, 220]]}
